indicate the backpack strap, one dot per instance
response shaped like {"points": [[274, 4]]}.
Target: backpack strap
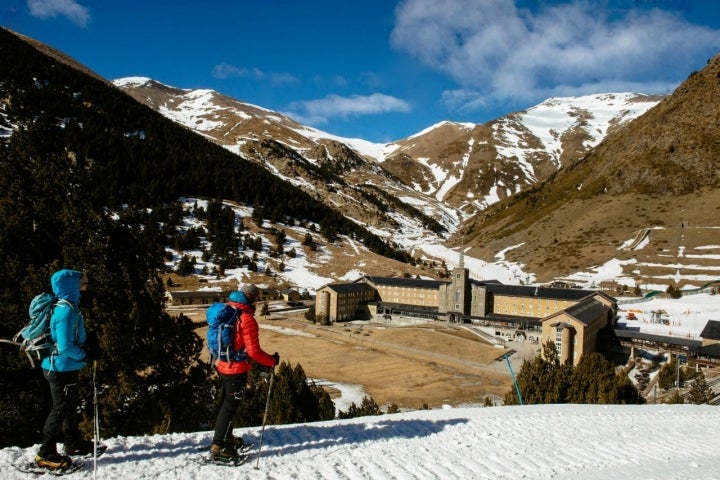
{"points": [[73, 307], [237, 322]]}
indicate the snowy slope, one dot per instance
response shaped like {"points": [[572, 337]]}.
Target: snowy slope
{"points": [[561, 442]]}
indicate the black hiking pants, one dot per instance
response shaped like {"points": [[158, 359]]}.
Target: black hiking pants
{"points": [[62, 422], [234, 389]]}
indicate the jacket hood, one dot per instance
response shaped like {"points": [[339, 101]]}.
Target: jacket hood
{"points": [[243, 306], [66, 284]]}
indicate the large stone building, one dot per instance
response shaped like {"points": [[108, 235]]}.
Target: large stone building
{"points": [[208, 297], [575, 330], [338, 302], [569, 317], [409, 296]]}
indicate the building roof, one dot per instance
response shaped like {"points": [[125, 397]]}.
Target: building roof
{"points": [[200, 294], [711, 330], [403, 282], [542, 292], [634, 335], [348, 287], [587, 310]]}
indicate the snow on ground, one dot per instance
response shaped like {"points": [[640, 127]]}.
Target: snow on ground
{"points": [[501, 270], [683, 317], [560, 442]]}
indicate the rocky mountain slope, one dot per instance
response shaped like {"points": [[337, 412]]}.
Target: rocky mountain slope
{"points": [[559, 188], [433, 180], [656, 179]]}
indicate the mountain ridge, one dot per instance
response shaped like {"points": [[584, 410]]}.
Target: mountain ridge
{"points": [[450, 166], [465, 181]]}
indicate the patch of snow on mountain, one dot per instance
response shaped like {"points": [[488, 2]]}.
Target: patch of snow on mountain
{"points": [[131, 81], [447, 185], [439, 173], [510, 144], [597, 112], [465, 125], [194, 111], [489, 199], [547, 121], [377, 151]]}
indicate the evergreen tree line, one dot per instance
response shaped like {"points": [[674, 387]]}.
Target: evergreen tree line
{"points": [[544, 380], [89, 180], [140, 159]]}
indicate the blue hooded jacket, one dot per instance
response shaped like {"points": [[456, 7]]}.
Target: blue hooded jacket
{"points": [[67, 326]]}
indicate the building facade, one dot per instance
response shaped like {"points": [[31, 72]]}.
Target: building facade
{"points": [[570, 317], [575, 330], [338, 302], [208, 297]]}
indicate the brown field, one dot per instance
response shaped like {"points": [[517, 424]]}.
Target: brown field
{"points": [[409, 366]]}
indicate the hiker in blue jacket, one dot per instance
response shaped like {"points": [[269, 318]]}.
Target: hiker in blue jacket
{"points": [[62, 370]]}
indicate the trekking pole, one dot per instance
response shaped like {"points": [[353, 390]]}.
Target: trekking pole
{"points": [[262, 431], [96, 421]]}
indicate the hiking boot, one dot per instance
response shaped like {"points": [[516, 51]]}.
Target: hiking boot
{"points": [[53, 461], [225, 454], [233, 441], [81, 447]]}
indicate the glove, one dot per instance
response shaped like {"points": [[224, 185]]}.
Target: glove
{"points": [[276, 355], [92, 347]]}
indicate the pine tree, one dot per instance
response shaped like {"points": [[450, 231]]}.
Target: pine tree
{"points": [[700, 391], [544, 380], [293, 398], [368, 406], [674, 398]]}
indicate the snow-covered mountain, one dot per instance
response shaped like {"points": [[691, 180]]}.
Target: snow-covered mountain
{"points": [[448, 172], [564, 156]]}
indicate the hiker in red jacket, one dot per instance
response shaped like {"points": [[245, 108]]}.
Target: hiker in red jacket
{"points": [[234, 374]]}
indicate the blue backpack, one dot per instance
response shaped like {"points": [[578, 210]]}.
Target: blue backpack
{"points": [[222, 323], [34, 339]]}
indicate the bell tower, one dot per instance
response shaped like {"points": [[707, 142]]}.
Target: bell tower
{"points": [[459, 301]]}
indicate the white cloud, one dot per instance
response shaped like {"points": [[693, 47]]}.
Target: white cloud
{"points": [[224, 71], [319, 111], [498, 52], [463, 99], [75, 12]]}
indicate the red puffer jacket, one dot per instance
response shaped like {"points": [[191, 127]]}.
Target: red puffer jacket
{"points": [[246, 337]]}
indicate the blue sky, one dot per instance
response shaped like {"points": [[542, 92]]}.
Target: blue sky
{"points": [[378, 69]]}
